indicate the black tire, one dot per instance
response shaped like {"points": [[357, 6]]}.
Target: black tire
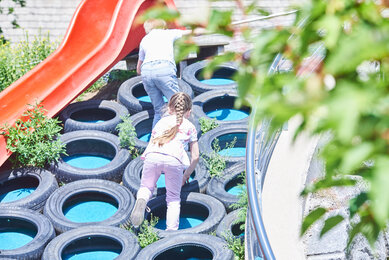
{"points": [[44, 228], [143, 122], [191, 203], [191, 75], [93, 238], [228, 226], [110, 190], [41, 179], [133, 88], [133, 173], [214, 100], [217, 186], [225, 135], [172, 248], [109, 112], [94, 143]]}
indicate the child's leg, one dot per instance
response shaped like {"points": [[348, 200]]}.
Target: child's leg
{"points": [[173, 180], [156, 97], [150, 174]]}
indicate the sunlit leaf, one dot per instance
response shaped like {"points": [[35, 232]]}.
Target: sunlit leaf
{"points": [[379, 190], [356, 203], [331, 222], [311, 218], [355, 156]]}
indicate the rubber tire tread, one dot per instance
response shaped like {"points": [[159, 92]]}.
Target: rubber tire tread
{"points": [[216, 245], [54, 205], [37, 199], [35, 248], [112, 171], [128, 241], [106, 126], [215, 208]]}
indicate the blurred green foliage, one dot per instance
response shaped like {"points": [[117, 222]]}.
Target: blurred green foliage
{"points": [[337, 83]]}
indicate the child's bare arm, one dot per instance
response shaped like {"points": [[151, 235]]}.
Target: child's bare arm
{"points": [[194, 159], [138, 65]]}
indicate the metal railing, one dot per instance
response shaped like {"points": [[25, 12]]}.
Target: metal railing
{"points": [[259, 149]]}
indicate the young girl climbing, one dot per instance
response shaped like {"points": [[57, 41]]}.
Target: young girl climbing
{"points": [[166, 154]]}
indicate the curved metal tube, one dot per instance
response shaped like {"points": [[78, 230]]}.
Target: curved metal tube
{"points": [[254, 203]]}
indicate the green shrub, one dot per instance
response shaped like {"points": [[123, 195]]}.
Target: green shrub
{"points": [[147, 235], [215, 162], [242, 203], [127, 135], [17, 59], [33, 140], [237, 246], [207, 124]]}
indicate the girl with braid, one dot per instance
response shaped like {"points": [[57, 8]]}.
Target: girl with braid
{"points": [[166, 154]]}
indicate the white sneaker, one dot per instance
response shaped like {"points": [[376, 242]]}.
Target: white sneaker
{"points": [[138, 213]]}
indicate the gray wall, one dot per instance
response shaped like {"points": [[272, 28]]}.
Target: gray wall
{"points": [[53, 16]]}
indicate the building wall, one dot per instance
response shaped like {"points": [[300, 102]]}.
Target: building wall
{"points": [[53, 16]]}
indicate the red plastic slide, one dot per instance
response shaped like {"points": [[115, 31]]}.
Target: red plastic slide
{"points": [[101, 33]]}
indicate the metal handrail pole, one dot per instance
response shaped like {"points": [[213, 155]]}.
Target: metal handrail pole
{"points": [[254, 204]]}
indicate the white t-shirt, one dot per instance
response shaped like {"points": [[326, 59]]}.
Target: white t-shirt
{"points": [[176, 147], [158, 45]]}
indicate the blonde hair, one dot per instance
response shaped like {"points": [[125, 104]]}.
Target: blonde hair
{"points": [[179, 104], [154, 24]]}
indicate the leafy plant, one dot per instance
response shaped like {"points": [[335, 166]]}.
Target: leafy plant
{"points": [[127, 135], [242, 203], [121, 75], [207, 124], [17, 59], [33, 140], [215, 162], [237, 246], [147, 234], [338, 82]]}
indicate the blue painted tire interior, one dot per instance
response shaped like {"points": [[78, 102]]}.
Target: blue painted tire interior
{"points": [[144, 128], [15, 233], [191, 215], [93, 115], [232, 186], [18, 188], [92, 247], [220, 73], [90, 207], [239, 148], [140, 93], [222, 108], [98, 152], [186, 252]]}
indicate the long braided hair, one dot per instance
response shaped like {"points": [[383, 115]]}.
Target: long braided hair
{"points": [[179, 104]]}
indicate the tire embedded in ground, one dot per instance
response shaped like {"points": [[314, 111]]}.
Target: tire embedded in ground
{"points": [[94, 143], [39, 179], [85, 190], [26, 219], [187, 246], [193, 204], [101, 115], [93, 238], [192, 75]]}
